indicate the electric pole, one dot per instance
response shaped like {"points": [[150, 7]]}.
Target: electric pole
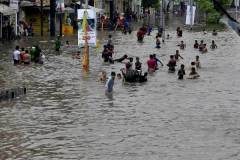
{"points": [[191, 14], [60, 18], [111, 6], [52, 17], [162, 22], [41, 17]]}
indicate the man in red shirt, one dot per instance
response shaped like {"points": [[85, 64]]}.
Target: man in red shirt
{"points": [[151, 64], [26, 58]]}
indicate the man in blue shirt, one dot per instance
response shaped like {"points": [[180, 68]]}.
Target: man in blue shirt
{"points": [[110, 83]]}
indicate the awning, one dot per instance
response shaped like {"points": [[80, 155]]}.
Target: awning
{"points": [[69, 10], [5, 10], [26, 4], [97, 10]]}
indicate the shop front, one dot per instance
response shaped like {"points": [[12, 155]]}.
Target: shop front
{"points": [[8, 22]]}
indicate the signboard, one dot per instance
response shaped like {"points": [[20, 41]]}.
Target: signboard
{"points": [[138, 2], [91, 28], [14, 4], [190, 15], [60, 5]]}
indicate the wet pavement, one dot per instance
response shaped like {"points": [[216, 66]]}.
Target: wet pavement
{"points": [[66, 115]]}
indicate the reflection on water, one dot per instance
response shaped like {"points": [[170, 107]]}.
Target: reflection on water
{"points": [[66, 114]]}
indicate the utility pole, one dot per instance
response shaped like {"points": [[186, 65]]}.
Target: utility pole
{"points": [[60, 18], [52, 17], [41, 17], [162, 20], [236, 8], [191, 14], [1, 37], [111, 7], [236, 13]]}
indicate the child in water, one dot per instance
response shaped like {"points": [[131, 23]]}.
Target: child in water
{"points": [[213, 45], [193, 65], [157, 60], [119, 76], [201, 46], [102, 76], [214, 33], [193, 74], [158, 42], [197, 62], [182, 45], [179, 32], [171, 64], [177, 55], [138, 64], [205, 50], [195, 46], [181, 72]]}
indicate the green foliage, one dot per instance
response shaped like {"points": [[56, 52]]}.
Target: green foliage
{"points": [[150, 3], [225, 3], [213, 17], [207, 7], [156, 5]]}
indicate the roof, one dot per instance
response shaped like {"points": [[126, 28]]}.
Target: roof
{"points": [[6, 10], [97, 10]]}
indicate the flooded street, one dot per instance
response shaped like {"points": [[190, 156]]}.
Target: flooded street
{"points": [[66, 115]]}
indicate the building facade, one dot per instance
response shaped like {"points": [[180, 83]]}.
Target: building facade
{"points": [[8, 17]]}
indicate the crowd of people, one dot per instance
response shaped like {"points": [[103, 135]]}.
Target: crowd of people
{"points": [[25, 56], [134, 73], [120, 21], [24, 29], [8, 32]]}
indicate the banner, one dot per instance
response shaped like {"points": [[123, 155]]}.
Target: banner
{"points": [[60, 5], [236, 3], [190, 15], [91, 27]]}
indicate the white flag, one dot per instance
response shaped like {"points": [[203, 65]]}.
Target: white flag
{"points": [[190, 15], [236, 2]]}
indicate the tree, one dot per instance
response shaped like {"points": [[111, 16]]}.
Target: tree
{"points": [[206, 6], [149, 3], [212, 14]]}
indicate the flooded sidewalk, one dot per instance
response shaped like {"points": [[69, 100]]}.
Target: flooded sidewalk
{"points": [[66, 115]]}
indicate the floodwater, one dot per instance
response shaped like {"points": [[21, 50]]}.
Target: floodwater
{"points": [[66, 115]]}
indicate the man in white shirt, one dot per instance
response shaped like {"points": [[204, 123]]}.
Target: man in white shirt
{"points": [[16, 56]]}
